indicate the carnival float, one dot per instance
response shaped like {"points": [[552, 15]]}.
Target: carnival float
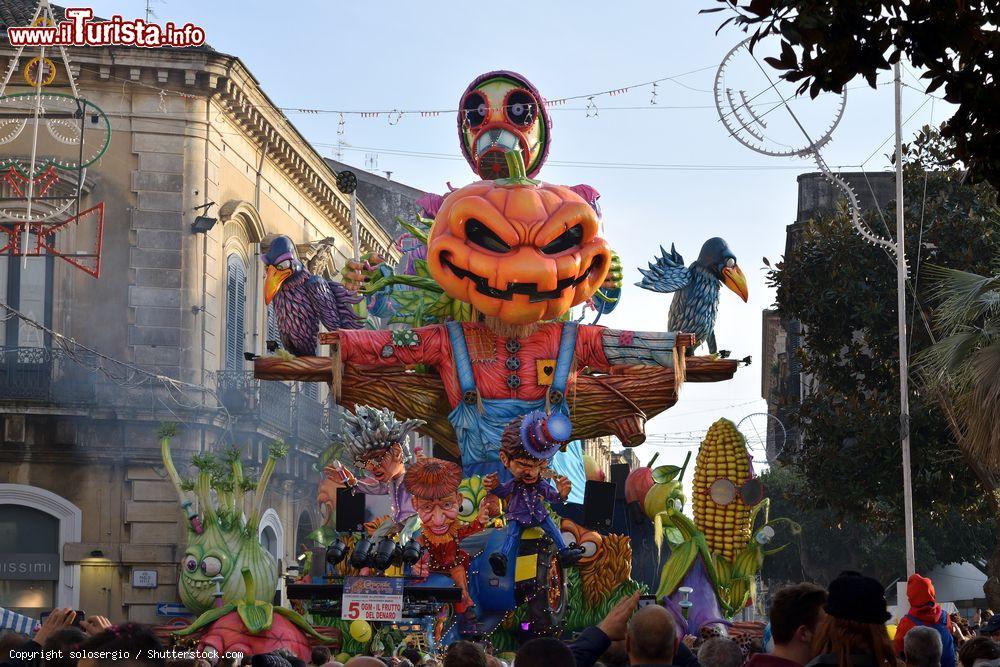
{"points": [[479, 348]]}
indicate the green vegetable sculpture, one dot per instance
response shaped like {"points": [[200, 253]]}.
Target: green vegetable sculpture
{"points": [[222, 536]]}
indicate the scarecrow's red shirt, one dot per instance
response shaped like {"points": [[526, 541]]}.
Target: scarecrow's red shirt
{"points": [[489, 353]]}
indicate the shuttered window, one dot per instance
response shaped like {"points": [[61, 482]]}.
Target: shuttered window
{"points": [[236, 307], [273, 333]]}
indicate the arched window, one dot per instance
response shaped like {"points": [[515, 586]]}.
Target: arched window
{"points": [[236, 305], [35, 524], [303, 530], [269, 540], [29, 547]]}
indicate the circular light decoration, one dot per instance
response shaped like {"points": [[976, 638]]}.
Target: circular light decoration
{"points": [[32, 75], [64, 131], [765, 435], [10, 129], [58, 147], [763, 112], [722, 492], [347, 181]]}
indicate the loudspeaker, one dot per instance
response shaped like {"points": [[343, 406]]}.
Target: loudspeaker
{"points": [[619, 473], [350, 511], [599, 505]]}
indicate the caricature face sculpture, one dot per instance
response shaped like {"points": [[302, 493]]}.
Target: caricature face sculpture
{"points": [[517, 249], [502, 111]]}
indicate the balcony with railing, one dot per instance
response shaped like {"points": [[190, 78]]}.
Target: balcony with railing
{"points": [[42, 375], [289, 410]]}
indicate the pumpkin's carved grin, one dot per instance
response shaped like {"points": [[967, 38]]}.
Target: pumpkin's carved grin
{"points": [[529, 289]]}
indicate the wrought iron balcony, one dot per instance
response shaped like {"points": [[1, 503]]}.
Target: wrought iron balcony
{"points": [[311, 427], [47, 376], [242, 394]]}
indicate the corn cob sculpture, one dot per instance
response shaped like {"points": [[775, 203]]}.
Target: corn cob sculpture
{"points": [[720, 471], [724, 547]]}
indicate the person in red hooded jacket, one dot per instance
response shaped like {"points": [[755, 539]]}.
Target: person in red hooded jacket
{"points": [[924, 610]]}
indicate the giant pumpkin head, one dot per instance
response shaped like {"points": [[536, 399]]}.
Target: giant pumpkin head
{"points": [[499, 112], [517, 249]]}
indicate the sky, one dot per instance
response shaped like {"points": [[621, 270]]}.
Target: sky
{"points": [[384, 55]]}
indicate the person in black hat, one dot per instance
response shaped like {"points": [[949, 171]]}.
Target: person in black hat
{"points": [[853, 632]]}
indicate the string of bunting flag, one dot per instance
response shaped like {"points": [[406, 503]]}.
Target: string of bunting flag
{"points": [[395, 115]]}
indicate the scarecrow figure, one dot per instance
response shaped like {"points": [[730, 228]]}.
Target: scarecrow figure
{"points": [[522, 253]]}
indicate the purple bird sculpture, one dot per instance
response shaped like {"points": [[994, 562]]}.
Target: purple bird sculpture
{"points": [[301, 301]]}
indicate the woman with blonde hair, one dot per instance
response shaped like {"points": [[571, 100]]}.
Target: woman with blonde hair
{"points": [[852, 631]]}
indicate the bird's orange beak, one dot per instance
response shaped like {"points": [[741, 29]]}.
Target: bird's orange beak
{"points": [[273, 279], [734, 279]]}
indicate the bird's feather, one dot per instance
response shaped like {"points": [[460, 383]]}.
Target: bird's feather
{"points": [[666, 273]]}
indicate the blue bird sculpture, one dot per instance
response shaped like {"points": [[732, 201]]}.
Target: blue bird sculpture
{"points": [[696, 287], [301, 300]]}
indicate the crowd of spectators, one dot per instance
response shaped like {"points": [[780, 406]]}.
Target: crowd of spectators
{"points": [[843, 625]]}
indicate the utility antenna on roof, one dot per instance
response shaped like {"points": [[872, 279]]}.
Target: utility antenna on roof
{"points": [[150, 14]]}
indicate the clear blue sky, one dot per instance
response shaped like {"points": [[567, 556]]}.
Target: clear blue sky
{"points": [[421, 55]]}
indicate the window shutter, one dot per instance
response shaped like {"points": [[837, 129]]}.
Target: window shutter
{"points": [[311, 389], [236, 287], [273, 333]]}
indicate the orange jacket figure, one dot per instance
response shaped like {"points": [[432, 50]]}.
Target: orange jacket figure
{"points": [[434, 484], [924, 610]]}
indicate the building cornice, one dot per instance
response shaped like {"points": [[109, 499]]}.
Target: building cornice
{"points": [[239, 94]]}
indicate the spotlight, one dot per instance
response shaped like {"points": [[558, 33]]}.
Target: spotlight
{"points": [[386, 553], [359, 557], [336, 552], [203, 224], [412, 552]]}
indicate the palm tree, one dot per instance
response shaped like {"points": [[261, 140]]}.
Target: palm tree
{"points": [[963, 367], [965, 360]]}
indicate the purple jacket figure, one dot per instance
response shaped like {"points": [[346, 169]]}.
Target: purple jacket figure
{"points": [[526, 447]]}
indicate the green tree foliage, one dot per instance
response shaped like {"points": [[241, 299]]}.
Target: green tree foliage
{"points": [[843, 291], [825, 45], [832, 541]]}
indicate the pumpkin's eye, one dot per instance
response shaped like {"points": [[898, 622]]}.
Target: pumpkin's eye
{"points": [[483, 236], [520, 108], [568, 239], [211, 566], [589, 548], [475, 108]]}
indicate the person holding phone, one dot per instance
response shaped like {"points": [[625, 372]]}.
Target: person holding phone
{"points": [[62, 629]]}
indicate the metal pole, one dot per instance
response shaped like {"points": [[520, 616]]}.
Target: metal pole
{"points": [[355, 232], [904, 391]]}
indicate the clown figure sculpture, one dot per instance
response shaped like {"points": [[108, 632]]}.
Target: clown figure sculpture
{"points": [[526, 447], [377, 442], [434, 486]]}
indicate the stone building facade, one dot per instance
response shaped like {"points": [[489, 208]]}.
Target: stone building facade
{"points": [[85, 505], [783, 383]]}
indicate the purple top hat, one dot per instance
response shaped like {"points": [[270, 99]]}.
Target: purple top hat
{"points": [[543, 435]]}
